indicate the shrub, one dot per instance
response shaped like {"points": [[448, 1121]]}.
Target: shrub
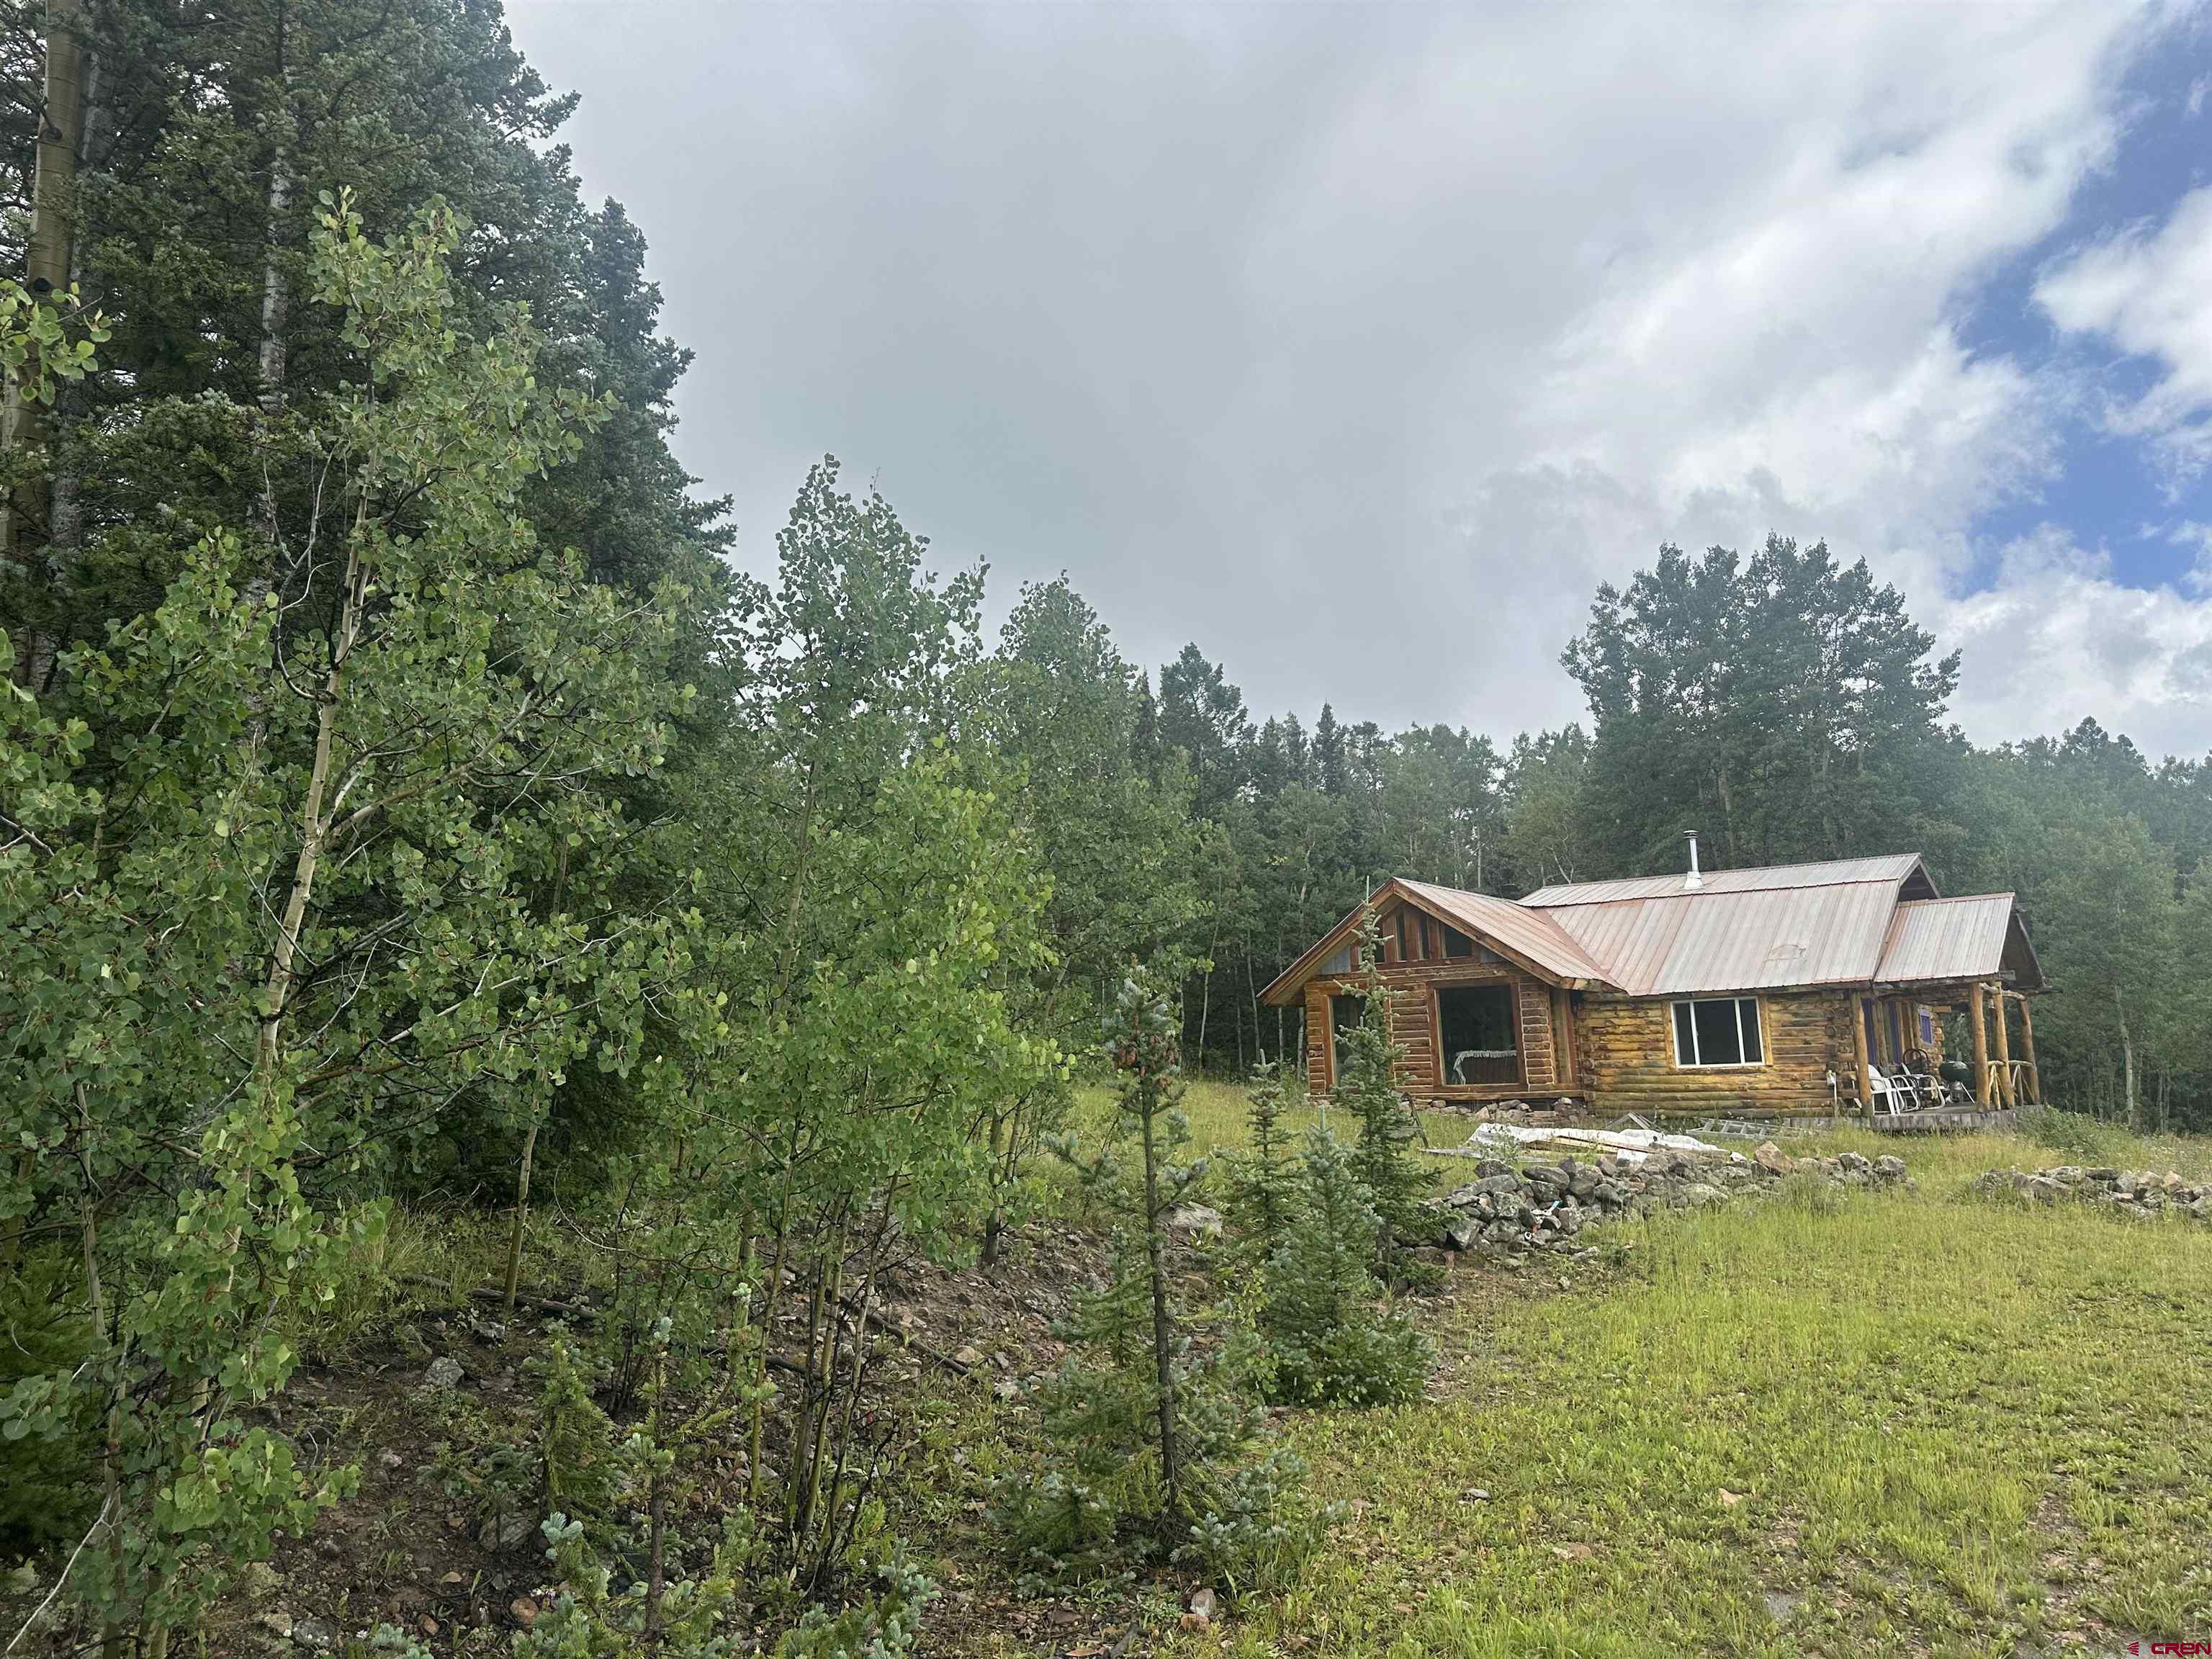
{"points": [[2087, 1139]]}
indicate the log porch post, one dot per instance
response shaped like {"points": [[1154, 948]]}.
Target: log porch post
{"points": [[1859, 1005], [2007, 1090], [2027, 1053], [1980, 1045]]}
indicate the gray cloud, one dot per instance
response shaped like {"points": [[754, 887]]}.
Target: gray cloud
{"points": [[1360, 343]]}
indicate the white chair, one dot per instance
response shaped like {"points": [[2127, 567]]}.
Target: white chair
{"points": [[1895, 1093]]}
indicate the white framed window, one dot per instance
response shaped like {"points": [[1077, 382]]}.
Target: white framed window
{"points": [[1711, 1031]]}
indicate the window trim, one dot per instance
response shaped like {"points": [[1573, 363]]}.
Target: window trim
{"points": [[1674, 1034]]}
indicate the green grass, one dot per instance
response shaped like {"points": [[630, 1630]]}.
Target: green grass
{"points": [[1932, 1424], [1216, 1111]]}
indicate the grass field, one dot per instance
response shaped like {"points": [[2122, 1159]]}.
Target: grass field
{"points": [[1908, 1424]]}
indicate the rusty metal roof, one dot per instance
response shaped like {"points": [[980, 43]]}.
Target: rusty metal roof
{"points": [[1848, 921], [1948, 939], [1767, 938], [1531, 935], [1896, 867]]}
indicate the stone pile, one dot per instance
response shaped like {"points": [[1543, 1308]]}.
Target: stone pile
{"points": [[1511, 1209], [2138, 1191]]}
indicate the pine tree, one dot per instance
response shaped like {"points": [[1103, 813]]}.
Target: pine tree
{"points": [[1157, 1442], [1367, 1087], [1262, 1186], [1330, 1344]]}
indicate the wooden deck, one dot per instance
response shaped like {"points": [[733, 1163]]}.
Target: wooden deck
{"points": [[1955, 1120]]}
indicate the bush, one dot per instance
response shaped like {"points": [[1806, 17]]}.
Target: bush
{"points": [[2087, 1140]]}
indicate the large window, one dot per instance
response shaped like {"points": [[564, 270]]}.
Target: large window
{"points": [[1718, 1032], [1477, 1035]]}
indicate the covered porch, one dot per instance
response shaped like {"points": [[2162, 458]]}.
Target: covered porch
{"points": [[1945, 1055]]}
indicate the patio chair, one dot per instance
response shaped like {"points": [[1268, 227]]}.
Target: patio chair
{"points": [[1895, 1093]]}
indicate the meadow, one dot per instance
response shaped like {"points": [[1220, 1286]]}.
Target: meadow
{"points": [[1827, 1423]]}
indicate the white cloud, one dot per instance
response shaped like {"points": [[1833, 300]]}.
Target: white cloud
{"points": [[1361, 343], [2149, 292], [2056, 638]]}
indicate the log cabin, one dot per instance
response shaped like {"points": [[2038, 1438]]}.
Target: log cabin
{"points": [[1795, 990]]}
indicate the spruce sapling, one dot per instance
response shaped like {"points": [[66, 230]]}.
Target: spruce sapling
{"points": [[1367, 1087]]}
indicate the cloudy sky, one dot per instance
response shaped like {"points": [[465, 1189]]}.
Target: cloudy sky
{"points": [[1359, 344]]}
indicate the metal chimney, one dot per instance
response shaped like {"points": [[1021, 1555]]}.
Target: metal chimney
{"points": [[1694, 881]]}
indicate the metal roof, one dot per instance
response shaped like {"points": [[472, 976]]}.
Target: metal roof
{"points": [[1529, 934], [1948, 938], [1767, 938], [1845, 922], [1890, 867]]}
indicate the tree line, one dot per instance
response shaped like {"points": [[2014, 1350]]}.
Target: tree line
{"points": [[1787, 706], [401, 798]]}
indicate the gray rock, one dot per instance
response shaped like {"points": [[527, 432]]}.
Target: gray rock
{"points": [[1462, 1232], [444, 1373], [1506, 1181], [1698, 1195], [314, 1635], [259, 1582], [1890, 1167], [1192, 1221], [1853, 1164], [1611, 1193], [507, 1532]]}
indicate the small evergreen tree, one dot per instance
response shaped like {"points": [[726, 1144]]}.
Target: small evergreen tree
{"points": [[1155, 1442], [1261, 1187], [1329, 1343], [1367, 1086]]}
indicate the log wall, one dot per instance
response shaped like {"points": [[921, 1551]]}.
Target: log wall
{"points": [[1415, 1026], [1626, 1050]]}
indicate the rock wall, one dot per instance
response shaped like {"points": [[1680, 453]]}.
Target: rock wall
{"points": [[1513, 1209], [2139, 1192]]}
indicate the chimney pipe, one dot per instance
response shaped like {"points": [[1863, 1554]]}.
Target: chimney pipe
{"points": [[1694, 881]]}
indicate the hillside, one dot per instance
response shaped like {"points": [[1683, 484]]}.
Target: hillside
{"points": [[1822, 1422]]}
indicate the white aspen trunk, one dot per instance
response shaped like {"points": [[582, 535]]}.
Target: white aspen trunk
{"points": [[314, 822]]}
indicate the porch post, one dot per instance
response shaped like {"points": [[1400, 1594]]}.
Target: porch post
{"points": [[2027, 1051], [1859, 1005], [1980, 1003], [2007, 1092]]}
